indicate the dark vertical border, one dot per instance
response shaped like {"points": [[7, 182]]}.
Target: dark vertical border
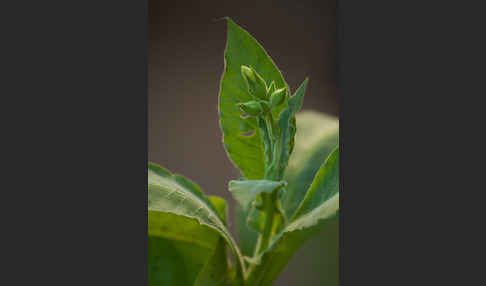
{"points": [[145, 140], [401, 82], [339, 58], [79, 137]]}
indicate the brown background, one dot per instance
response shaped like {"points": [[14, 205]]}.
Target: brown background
{"points": [[186, 45]]}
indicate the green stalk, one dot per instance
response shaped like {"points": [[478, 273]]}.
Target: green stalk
{"points": [[269, 219], [271, 173], [255, 271]]}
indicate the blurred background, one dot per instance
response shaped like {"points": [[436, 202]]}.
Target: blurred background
{"points": [[186, 45]]}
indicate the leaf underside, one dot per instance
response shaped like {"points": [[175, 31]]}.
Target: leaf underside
{"points": [[172, 195], [246, 191]]}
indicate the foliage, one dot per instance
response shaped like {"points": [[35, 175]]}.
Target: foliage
{"points": [[282, 199]]}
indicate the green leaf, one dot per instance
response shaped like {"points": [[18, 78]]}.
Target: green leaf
{"points": [[248, 194], [322, 198], [221, 208], [182, 251], [178, 248], [317, 259], [317, 136], [247, 237], [256, 218], [320, 204], [246, 152], [215, 271], [287, 128], [246, 191], [282, 250], [174, 194]]}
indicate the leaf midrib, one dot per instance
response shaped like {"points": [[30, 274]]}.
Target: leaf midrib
{"points": [[193, 197]]}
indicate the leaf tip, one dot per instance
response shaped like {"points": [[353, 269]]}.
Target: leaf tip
{"points": [[220, 19]]}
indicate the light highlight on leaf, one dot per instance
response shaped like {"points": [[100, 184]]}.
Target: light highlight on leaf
{"points": [[246, 191], [174, 194]]}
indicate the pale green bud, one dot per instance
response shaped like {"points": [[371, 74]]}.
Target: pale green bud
{"points": [[248, 74], [252, 108], [256, 84], [278, 97]]}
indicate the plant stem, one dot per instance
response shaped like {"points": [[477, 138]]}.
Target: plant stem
{"points": [[269, 123], [267, 230], [254, 272], [271, 173]]}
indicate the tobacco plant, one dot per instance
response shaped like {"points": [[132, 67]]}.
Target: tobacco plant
{"points": [[282, 201]]}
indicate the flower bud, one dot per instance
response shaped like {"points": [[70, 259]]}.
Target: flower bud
{"points": [[256, 84], [252, 108], [278, 97], [247, 74]]}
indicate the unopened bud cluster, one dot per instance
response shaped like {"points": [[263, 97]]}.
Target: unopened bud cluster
{"points": [[264, 98]]}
